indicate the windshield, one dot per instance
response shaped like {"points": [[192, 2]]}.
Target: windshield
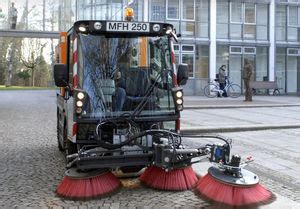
{"points": [[125, 75]]}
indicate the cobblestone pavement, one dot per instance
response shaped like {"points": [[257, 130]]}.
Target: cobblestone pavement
{"points": [[276, 154], [31, 166], [240, 117]]}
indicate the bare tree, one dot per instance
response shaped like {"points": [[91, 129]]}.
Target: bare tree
{"points": [[31, 55]]}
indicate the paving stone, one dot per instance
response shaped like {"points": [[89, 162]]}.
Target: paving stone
{"points": [[32, 167]]}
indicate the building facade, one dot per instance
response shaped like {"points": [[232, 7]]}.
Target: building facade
{"points": [[214, 32]]}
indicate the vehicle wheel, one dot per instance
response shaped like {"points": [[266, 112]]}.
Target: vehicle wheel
{"points": [[234, 90], [276, 92], [71, 147], [60, 147], [211, 90]]}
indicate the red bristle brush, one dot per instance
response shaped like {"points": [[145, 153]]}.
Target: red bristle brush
{"points": [[76, 185], [174, 180], [224, 189]]}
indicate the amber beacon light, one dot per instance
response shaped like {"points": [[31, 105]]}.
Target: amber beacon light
{"points": [[129, 14]]}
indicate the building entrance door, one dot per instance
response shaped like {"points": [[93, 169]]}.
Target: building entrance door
{"points": [[238, 55]]}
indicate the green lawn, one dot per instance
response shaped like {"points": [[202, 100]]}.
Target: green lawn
{"points": [[2, 87]]}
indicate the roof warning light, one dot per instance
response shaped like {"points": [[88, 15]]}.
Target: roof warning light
{"points": [[129, 13]]}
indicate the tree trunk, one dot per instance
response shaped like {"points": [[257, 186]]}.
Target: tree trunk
{"points": [[32, 77]]}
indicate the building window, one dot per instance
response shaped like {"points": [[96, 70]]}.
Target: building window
{"points": [[85, 11], [222, 55], [281, 23], [236, 50], [115, 9], [236, 11], [236, 19], [293, 23], [157, 10], [293, 52], [173, 9], [250, 14], [222, 18], [100, 10], [287, 65], [249, 50], [288, 23], [202, 62], [257, 56], [247, 20], [188, 10], [280, 73], [293, 16], [187, 28], [261, 65], [291, 73], [202, 18], [185, 53], [262, 11]]}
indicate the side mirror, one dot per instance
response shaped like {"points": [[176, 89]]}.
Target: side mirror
{"points": [[61, 75], [182, 74]]}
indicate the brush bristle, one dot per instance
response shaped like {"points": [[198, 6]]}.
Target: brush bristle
{"points": [[175, 180], [89, 187], [230, 194]]}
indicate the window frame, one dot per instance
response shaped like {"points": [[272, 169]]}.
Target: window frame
{"points": [[249, 47], [230, 15], [167, 13], [292, 55], [180, 52], [181, 12], [232, 52], [150, 11], [255, 13], [288, 17]]}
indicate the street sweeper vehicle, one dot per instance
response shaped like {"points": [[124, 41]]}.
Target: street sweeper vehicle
{"points": [[119, 109]]}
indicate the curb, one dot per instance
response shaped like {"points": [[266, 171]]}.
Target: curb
{"points": [[237, 106], [236, 129]]}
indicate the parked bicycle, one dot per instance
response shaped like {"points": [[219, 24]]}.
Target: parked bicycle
{"points": [[212, 89]]}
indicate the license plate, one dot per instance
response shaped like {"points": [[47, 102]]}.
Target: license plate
{"points": [[127, 26]]}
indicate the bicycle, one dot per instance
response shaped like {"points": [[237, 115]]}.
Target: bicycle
{"points": [[212, 89]]}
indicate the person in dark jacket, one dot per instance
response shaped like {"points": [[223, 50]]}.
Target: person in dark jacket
{"points": [[222, 80], [247, 73]]}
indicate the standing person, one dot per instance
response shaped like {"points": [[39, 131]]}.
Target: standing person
{"points": [[222, 80], [247, 73], [13, 15]]}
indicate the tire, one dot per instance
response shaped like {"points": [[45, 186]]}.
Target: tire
{"points": [[58, 128], [71, 147], [60, 148], [234, 90], [210, 90], [276, 92]]}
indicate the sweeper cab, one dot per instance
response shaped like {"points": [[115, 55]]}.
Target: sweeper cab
{"points": [[119, 81], [119, 109]]}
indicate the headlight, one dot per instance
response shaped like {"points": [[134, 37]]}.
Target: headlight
{"points": [[80, 95], [82, 28], [179, 101], [79, 103], [179, 94]]}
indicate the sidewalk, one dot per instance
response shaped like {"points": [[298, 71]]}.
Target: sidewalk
{"points": [[202, 102], [203, 115]]}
